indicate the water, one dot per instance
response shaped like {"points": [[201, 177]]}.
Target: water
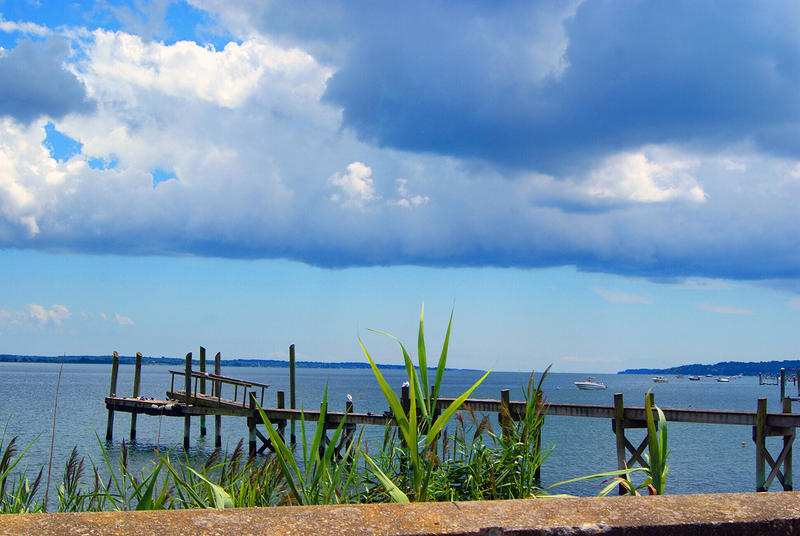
{"points": [[705, 458]]}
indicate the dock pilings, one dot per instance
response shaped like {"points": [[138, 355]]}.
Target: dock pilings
{"points": [[187, 420], [112, 392], [137, 378]]}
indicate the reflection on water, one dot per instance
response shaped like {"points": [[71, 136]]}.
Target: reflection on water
{"points": [[705, 458]]}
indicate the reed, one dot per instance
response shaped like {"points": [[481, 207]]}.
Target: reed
{"points": [[419, 428]]}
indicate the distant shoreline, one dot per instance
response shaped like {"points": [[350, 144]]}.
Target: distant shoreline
{"points": [[725, 368], [129, 360]]}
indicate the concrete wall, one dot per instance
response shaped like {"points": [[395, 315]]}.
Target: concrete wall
{"points": [[738, 514]]}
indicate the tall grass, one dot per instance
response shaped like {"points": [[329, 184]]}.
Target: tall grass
{"points": [[420, 427]]}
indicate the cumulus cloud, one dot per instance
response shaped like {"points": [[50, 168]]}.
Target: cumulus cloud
{"points": [[35, 82], [356, 187], [226, 77], [520, 135], [123, 320], [407, 200], [35, 314]]}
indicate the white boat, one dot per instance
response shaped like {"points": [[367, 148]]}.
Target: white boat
{"points": [[660, 379], [589, 385], [694, 378], [723, 380]]}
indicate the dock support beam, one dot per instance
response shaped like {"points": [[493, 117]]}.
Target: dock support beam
{"points": [[760, 433], [505, 412], [251, 425], [187, 421], [137, 377], [291, 391], [217, 393], [282, 424], [112, 392], [202, 389]]}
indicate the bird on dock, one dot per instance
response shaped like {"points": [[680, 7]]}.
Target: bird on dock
{"points": [[348, 397]]}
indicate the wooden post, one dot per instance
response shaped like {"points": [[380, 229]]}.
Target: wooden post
{"points": [[405, 398], [137, 376], [251, 424], [783, 384], [202, 389], [282, 424], [788, 441], [505, 412], [112, 392], [759, 436], [292, 391], [187, 421], [619, 432], [217, 393]]}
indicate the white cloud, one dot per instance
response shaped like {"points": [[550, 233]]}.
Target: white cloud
{"points": [[407, 200], [616, 296], [636, 178], [123, 320], [55, 314], [227, 77], [356, 187], [28, 28]]}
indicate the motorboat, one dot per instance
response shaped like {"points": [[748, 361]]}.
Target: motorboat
{"points": [[694, 378], [660, 379], [723, 380], [589, 385]]}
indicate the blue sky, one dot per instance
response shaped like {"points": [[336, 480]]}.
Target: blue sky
{"points": [[593, 184]]}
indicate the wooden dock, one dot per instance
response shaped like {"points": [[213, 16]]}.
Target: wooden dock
{"points": [[194, 401]]}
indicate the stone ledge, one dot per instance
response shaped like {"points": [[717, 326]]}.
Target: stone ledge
{"points": [[718, 514]]}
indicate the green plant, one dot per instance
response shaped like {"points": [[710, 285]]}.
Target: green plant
{"points": [[420, 427], [321, 480], [657, 447], [656, 458], [20, 496]]}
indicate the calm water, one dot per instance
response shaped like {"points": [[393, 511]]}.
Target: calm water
{"points": [[705, 458]]}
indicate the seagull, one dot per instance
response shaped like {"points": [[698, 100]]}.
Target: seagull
{"points": [[349, 397], [405, 384]]}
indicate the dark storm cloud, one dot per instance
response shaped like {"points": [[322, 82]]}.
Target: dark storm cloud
{"points": [[33, 82]]}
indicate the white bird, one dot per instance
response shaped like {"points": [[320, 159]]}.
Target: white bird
{"points": [[405, 384], [349, 397]]}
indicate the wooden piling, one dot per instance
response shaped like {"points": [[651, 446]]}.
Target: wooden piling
{"points": [[783, 383], [292, 391], [619, 433], [505, 412], [112, 392], [788, 441], [137, 377], [281, 403], [218, 393], [251, 425], [187, 420], [759, 436], [202, 389]]}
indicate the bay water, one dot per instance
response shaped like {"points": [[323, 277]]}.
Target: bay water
{"points": [[705, 458]]}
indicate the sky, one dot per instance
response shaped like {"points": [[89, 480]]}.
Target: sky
{"points": [[595, 184]]}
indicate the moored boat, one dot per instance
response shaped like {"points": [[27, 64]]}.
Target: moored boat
{"points": [[723, 380], [660, 379], [589, 385], [694, 378]]}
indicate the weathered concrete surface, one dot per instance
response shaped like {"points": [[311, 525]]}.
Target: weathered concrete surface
{"points": [[719, 514]]}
